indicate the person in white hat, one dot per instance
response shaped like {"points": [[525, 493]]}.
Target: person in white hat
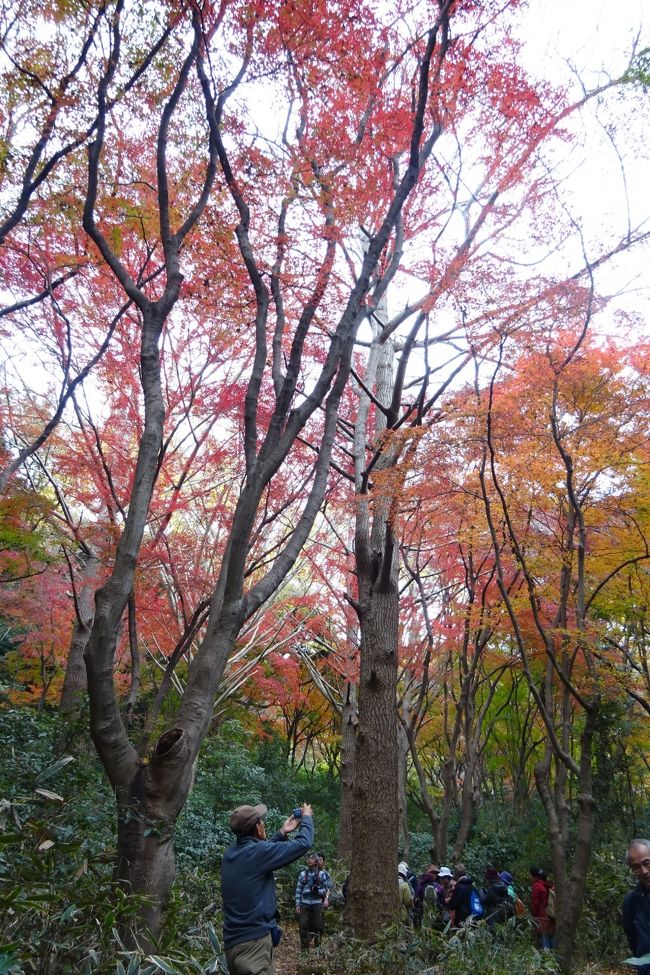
{"points": [[405, 892], [250, 928]]}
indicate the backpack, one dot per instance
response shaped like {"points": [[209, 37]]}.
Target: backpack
{"points": [[507, 906], [475, 905], [550, 904], [430, 894]]}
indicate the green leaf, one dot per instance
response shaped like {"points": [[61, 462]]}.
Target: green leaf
{"points": [[49, 795], [9, 897], [643, 960], [119, 968], [134, 965], [214, 941], [10, 965], [8, 839], [162, 964], [52, 770]]}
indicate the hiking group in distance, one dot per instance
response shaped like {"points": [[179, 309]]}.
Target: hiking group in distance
{"points": [[439, 896], [442, 896]]}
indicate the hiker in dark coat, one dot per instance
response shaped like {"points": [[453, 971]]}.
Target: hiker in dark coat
{"points": [[497, 903], [250, 927], [459, 902], [636, 906]]}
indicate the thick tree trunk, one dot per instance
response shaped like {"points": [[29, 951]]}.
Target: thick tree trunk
{"points": [[466, 815], [349, 719], [147, 812], [373, 892]]}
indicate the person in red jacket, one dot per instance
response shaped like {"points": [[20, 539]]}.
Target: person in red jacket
{"points": [[539, 907]]}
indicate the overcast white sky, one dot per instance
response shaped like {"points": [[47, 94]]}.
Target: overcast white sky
{"points": [[589, 33], [591, 40]]}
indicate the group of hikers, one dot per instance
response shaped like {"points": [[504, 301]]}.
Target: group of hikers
{"points": [[439, 895], [443, 896]]}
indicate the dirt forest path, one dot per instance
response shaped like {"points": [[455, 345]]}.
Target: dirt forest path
{"points": [[286, 955], [287, 959]]}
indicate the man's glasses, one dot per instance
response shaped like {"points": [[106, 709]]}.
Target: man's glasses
{"points": [[643, 865]]}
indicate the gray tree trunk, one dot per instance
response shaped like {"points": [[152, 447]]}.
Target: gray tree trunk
{"points": [[349, 718], [402, 768], [74, 682]]}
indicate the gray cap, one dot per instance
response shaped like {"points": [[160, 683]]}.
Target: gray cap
{"points": [[243, 818]]}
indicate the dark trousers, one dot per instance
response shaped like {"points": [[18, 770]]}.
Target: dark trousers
{"points": [[310, 919]]}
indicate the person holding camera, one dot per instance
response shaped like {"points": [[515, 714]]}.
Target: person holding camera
{"points": [[250, 929], [311, 891]]}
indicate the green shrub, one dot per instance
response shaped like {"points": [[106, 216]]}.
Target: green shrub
{"points": [[475, 948]]}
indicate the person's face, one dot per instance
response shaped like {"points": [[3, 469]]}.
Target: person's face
{"points": [[639, 863], [261, 829], [313, 861]]}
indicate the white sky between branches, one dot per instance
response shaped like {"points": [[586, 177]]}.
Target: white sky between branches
{"points": [[586, 41]]}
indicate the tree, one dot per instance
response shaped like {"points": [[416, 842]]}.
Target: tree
{"points": [[215, 236], [574, 525], [132, 221]]}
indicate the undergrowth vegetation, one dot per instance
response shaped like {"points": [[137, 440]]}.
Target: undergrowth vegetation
{"points": [[60, 911]]}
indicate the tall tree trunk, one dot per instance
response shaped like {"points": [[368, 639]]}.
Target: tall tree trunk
{"points": [[349, 718], [373, 892], [448, 796]]}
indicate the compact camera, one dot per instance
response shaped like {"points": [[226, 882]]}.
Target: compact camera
{"points": [[297, 813]]}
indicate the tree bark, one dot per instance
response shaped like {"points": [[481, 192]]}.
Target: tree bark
{"points": [[402, 769], [570, 874], [373, 891], [147, 809], [74, 681], [349, 718]]}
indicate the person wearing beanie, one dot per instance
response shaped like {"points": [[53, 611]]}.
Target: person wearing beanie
{"points": [[250, 928]]}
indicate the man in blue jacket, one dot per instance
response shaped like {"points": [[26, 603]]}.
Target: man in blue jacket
{"points": [[636, 906], [248, 889]]}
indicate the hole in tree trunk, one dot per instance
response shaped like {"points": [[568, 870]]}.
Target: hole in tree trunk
{"points": [[167, 741]]}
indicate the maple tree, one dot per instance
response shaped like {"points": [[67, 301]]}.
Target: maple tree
{"points": [[138, 227], [573, 525], [197, 260], [462, 273]]}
